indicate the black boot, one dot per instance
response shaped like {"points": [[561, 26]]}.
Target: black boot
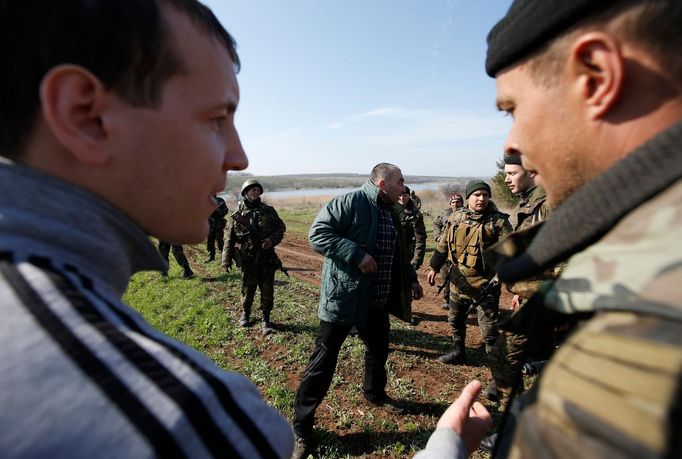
{"points": [[490, 392], [455, 357], [267, 326], [244, 319], [488, 443]]}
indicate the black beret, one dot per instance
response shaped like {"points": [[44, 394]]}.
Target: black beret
{"points": [[476, 185], [406, 191], [513, 159], [531, 24]]}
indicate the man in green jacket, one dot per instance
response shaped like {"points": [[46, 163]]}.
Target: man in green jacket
{"points": [[365, 276]]}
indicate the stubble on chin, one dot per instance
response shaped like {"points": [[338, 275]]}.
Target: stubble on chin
{"points": [[563, 188]]}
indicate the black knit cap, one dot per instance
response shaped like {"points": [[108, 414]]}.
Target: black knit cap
{"points": [[531, 24], [513, 160], [475, 185]]}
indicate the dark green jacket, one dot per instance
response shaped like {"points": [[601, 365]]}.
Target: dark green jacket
{"points": [[344, 231]]}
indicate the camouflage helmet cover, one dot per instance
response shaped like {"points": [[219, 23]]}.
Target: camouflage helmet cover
{"points": [[250, 183]]}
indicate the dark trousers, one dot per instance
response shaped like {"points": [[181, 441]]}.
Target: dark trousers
{"points": [[215, 236], [165, 248], [318, 375]]}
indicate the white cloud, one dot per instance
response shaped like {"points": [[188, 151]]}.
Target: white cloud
{"points": [[394, 126]]}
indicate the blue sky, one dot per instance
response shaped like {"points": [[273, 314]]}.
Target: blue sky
{"points": [[340, 85]]}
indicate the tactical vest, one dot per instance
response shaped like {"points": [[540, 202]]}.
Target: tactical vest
{"points": [[467, 237], [250, 227]]}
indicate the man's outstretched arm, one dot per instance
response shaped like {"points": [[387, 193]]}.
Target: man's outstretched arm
{"points": [[460, 429]]}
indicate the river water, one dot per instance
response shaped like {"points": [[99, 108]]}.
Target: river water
{"points": [[337, 191]]}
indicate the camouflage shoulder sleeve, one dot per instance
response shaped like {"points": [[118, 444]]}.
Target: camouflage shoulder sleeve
{"points": [[420, 240], [230, 241], [503, 226], [637, 266], [609, 391], [440, 253]]}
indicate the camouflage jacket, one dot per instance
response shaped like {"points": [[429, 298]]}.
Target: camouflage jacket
{"points": [[216, 221], [531, 210], [250, 224], [412, 221], [466, 235], [439, 223], [614, 389]]}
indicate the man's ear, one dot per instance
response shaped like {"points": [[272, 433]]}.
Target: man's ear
{"points": [[382, 184], [597, 65], [73, 100]]}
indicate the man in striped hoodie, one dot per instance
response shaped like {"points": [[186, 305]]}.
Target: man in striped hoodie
{"points": [[110, 111]]}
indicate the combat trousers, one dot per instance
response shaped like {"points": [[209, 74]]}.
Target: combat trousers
{"points": [[506, 358], [487, 312], [215, 236], [444, 276], [511, 350], [179, 255], [318, 375], [261, 277]]}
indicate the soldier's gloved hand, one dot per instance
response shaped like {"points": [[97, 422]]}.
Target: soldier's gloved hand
{"points": [[267, 244], [227, 266]]}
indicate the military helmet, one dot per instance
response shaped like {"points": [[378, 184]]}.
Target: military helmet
{"points": [[250, 183]]}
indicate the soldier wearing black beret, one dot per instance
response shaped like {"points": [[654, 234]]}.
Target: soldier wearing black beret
{"points": [[594, 88]]}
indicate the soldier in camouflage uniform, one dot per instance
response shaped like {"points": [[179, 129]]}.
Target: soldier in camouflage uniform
{"points": [[510, 349], [165, 248], [416, 200], [216, 228], [468, 232], [412, 221], [595, 93], [257, 229], [456, 202]]}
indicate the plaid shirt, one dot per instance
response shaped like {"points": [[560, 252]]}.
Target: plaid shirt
{"points": [[386, 240]]}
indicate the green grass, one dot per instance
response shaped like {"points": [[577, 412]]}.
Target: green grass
{"points": [[298, 220]]}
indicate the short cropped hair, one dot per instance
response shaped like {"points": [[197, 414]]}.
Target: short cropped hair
{"points": [[127, 44], [383, 171], [653, 24]]}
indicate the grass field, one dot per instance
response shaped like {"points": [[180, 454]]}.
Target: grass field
{"points": [[203, 312]]}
